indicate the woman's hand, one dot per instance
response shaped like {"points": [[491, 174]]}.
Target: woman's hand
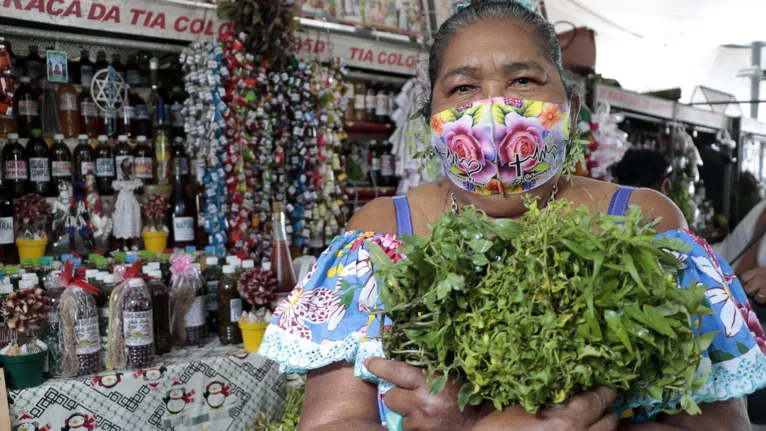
{"points": [[421, 411], [754, 283], [590, 411]]}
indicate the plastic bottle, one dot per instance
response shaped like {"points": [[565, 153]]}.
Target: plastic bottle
{"points": [[39, 157], [123, 154], [143, 162], [163, 339], [84, 159], [27, 109], [138, 324], [68, 112], [229, 308], [105, 169], [212, 276], [15, 171], [61, 162], [110, 284]]}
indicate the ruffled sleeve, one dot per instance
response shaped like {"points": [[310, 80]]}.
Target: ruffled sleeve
{"points": [[735, 362], [328, 317]]}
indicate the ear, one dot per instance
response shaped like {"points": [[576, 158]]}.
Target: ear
{"points": [[574, 112]]}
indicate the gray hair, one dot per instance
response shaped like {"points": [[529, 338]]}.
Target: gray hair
{"points": [[496, 10]]}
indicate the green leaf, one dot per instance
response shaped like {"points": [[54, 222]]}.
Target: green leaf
{"points": [[628, 261], [741, 348], [616, 326], [378, 257], [658, 322], [450, 283], [480, 245], [706, 340], [506, 229], [720, 356], [480, 260], [437, 384], [579, 250], [464, 395]]}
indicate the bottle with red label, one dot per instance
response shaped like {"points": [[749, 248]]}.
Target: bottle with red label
{"points": [[27, 110], [105, 171], [15, 171], [61, 162], [143, 161], [84, 159], [39, 159], [90, 119]]}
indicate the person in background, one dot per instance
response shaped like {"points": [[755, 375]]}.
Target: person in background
{"points": [[643, 168]]}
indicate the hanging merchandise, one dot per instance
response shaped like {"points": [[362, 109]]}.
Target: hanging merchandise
{"points": [[686, 168], [268, 26], [205, 116], [411, 139], [78, 323], [610, 143]]}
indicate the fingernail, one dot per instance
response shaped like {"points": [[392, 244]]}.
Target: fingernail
{"points": [[365, 362]]}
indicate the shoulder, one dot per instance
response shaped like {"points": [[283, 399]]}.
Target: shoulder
{"points": [[376, 216], [656, 205]]}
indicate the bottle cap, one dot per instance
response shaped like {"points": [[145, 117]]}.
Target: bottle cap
{"points": [[155, 273], [141, 138], [266, 265], [58, 137], [211, 260], [29, 276], [82, 137], [146, 270], [248, 263], [228, 269], [103, 138], [153, 265], [23, 284], [91, 273], [13, 136], [122, 138], [24, 80], [101, 276], [231, 259], [131, 258], [6, 288], [109, 278]]}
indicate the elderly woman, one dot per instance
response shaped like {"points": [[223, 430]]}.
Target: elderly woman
{"points": [[500, 111]]}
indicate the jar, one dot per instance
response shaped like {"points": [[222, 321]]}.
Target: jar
{"points": [[138, 326]]}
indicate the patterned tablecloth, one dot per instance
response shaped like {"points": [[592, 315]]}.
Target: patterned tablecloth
{"points": [[213, 388]]}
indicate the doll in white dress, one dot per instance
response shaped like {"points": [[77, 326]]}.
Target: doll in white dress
{"points": [[127, 211]]}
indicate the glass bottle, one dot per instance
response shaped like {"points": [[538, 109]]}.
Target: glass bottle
{"points": [[27, 109], [68, 113], [138, 324], [229, 308], [176, 108], [381, 105], [105, 170], [90, 120], [162, 153], [109, 121], [8, 252], [143, 162], [194, 320], [281, 262], [387, 165], [211, 276], [86, 69], [360, 113], [84, 159], [119, 68], [182, 215], [133, 73], [123, 154], [163, 339], [142, 124], [50, 331], [39, 157], [15, 171], [370, 102], [61, 162], [33, 66], [86, 332], [126, 116], [7, 104], [179, 160], [110, 284], [159, 100]]}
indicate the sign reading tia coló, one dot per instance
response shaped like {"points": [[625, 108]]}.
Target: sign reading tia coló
{"points": [[155, 18]]}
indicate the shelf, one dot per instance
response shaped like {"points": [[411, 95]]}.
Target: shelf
{"points": [[353, 128]]}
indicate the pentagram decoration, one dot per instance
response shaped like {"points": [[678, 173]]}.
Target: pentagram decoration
{"points": [[109, 90]]}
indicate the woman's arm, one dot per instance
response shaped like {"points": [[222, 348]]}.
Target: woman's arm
{"points": [[338, 401], [729, 415]]}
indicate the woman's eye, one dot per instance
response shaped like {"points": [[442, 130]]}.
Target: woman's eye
{"points": [[461, 89], [522, 81]]}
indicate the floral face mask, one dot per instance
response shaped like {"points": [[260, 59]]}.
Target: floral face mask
{"points": [[501, 145]]}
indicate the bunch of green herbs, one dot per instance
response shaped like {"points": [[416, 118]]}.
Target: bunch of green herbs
{"points": [[540, 310], [291, 414]]}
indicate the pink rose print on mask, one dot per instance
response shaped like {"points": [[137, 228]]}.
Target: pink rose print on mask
{"points": [[520, 147], [469, 148]]}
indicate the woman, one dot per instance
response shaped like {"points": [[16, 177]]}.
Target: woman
{"points": [[490, 64], [643, 168]]}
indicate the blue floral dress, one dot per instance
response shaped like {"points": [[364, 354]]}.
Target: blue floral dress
{"points": [[321, 323]]}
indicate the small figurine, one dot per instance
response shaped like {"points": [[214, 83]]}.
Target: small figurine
{"points": [[127, 211], [61, 206], [102, 224], [79, 219]]}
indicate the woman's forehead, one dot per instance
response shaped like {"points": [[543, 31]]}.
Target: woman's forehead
{"points": [[494, 44]]}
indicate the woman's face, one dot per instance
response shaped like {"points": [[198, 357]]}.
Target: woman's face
{"points": [[501, 58]]}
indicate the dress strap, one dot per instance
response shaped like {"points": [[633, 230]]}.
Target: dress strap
{"points": [[620, 201], [403, 216]]}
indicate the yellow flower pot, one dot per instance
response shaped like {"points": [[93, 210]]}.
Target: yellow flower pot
{"points": [[252, 334], [156, 242], [31, 248]]}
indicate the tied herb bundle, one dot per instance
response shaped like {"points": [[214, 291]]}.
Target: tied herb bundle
{"points": [[290, 416], [537, 311]]}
